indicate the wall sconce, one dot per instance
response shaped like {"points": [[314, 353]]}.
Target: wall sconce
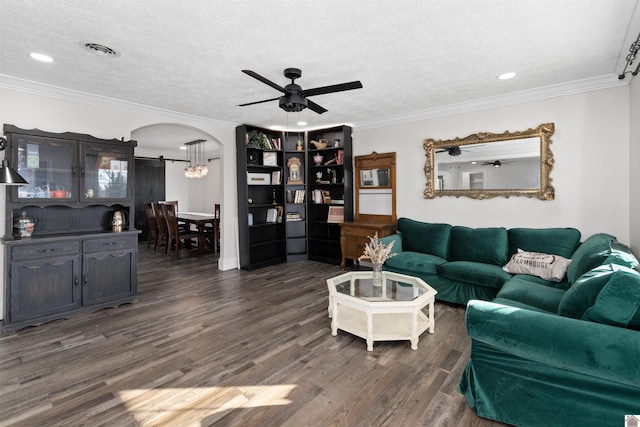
{"points": [[8, 175], [633, 51]]}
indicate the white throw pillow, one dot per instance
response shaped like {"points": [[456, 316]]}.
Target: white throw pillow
{"points": [[546, 266]]}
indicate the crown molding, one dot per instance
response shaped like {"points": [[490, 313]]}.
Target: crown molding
{"points": [[545, 92], [36, 88]]}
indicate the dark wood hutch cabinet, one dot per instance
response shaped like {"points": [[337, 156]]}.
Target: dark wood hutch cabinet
{"points": [[73, 262]]}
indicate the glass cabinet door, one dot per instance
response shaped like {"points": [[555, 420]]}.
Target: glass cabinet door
{"points": [[105, 172], [47, 164]]}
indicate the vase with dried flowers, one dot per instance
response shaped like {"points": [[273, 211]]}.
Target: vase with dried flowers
{"points": [[377, 252]]}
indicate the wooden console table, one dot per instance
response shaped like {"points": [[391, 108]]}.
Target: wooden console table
{"points": [[354, 235]]}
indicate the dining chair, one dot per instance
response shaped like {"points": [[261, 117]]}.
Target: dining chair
{"points": [[181, 224], [152, 225], [183, 239], [163, 236], [212, 232]]}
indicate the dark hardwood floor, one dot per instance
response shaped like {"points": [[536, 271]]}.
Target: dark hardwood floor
{"points": [[203, 347]]}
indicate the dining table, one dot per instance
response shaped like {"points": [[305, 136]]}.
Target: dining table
{"points": [[200, 220]]}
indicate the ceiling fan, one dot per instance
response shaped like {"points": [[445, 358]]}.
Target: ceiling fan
{"points": [[497, 163], [295, 98], [454, 150]]}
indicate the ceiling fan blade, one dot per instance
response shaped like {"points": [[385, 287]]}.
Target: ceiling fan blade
{"points": [[315, 107], [333, 88], [258, 102], [264, 80]]}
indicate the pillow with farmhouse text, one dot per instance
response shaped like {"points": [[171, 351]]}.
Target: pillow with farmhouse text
{"points": [[546, 266]]}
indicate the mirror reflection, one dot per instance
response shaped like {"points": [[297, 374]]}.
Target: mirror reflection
{"points": [[500, 165], [485, 165], [375, 177]]}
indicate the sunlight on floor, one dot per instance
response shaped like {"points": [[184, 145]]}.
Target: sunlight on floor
{"points": [[191, 405]]}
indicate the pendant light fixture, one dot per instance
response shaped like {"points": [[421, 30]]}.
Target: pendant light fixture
{"points": [[8, 175], [195, 156]]}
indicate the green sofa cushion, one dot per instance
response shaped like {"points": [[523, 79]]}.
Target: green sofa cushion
{"points": [[484, 245], [620, 254], [554, 241], [618, 303], [533, 294], [583, 293], [415, 261], [424, 237], [590, 254], [488, 275], [535, 279]]}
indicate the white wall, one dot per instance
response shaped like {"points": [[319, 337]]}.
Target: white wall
{"points": [[590, 176], [194, 195]]}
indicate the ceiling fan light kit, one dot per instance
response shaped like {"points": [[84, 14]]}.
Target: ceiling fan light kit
{"points": [[295, 99]]}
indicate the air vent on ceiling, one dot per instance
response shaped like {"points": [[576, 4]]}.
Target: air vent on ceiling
{"points": [[102, 50]]}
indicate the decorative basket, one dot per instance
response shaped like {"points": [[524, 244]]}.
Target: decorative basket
{"points": [[320, 144]]}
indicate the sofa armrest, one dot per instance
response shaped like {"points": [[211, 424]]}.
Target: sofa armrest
{"points": [[396, 239], [593, 349]]}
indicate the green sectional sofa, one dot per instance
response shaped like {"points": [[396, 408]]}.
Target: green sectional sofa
{"points": [[543, 352], [464, 263]]}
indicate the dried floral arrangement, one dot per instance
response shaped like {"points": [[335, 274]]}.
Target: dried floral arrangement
{"points": [[377, 252]]}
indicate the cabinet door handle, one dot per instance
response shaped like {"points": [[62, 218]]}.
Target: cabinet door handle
{"points": [[85, 280], [73, 170], [76, 282], [47, 250]]}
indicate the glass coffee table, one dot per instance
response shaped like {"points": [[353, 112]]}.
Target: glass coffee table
{"points": [[393, 311]]}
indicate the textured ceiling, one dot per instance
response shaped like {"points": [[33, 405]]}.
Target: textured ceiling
{"points": [[411, 56]]}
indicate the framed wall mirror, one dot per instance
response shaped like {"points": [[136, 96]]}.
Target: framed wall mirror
{"points": [[375, 187], [486, 165]]}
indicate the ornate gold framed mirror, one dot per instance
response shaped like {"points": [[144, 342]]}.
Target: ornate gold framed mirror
{"points": [[486, 165]]}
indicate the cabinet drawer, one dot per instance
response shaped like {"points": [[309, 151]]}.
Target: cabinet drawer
{"points": [[45, 250], [109, 244]]}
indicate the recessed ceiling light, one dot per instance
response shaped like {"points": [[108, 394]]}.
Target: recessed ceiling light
{"points": [[507, 76], [183, 147], [101, 50], [301, 123], [41, 57]]}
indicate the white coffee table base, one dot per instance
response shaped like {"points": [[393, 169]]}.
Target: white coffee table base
{"points": [[381, 319]]}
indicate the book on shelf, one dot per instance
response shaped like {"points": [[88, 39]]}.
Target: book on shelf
{"points": [[272, 215], [294, 216], [317, 196], [299, 197], [321, 196], [280, 212], [336, 214], [276, 177]]}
